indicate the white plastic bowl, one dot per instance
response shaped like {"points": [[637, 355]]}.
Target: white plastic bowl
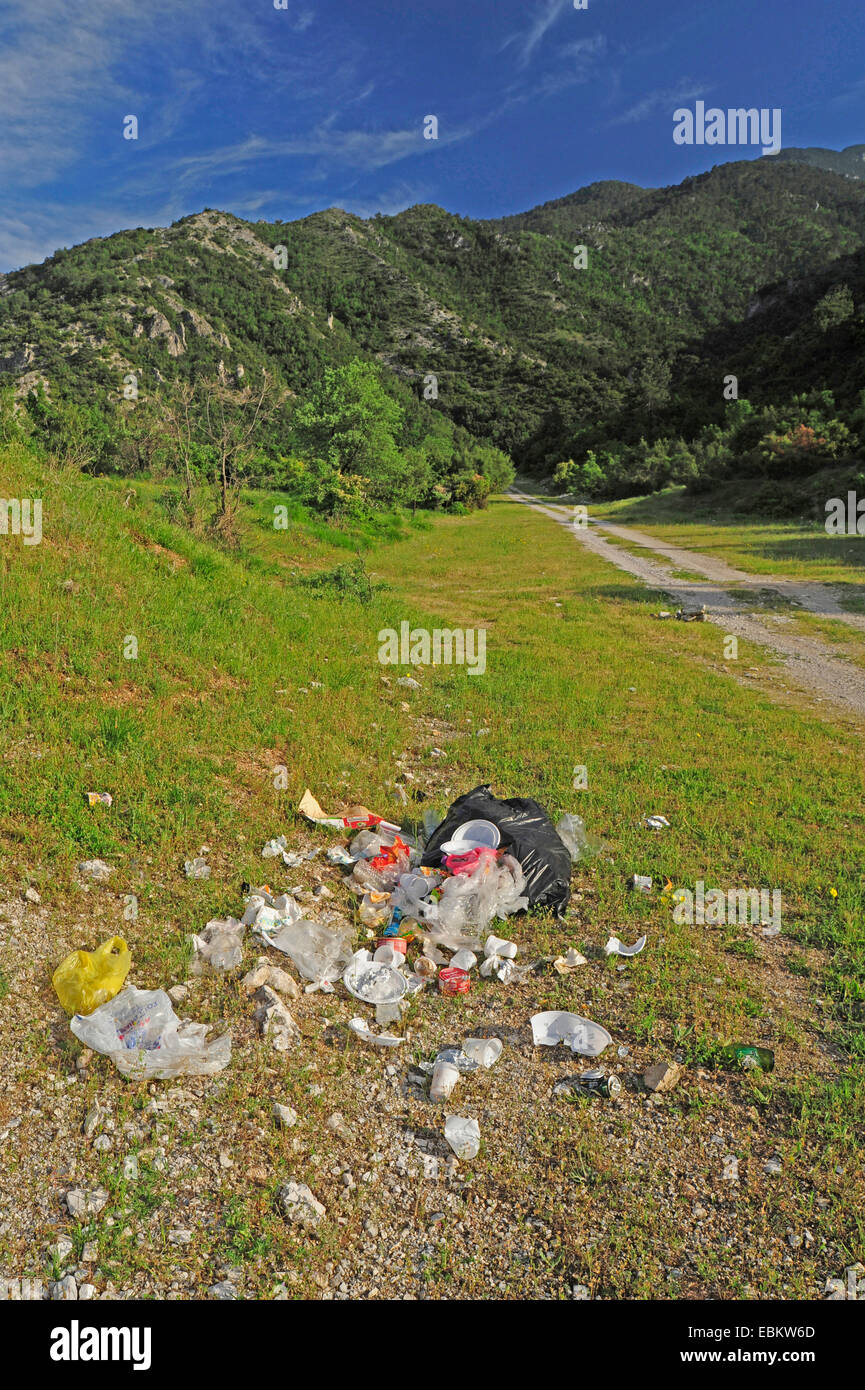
{"points": [[473, 834]]}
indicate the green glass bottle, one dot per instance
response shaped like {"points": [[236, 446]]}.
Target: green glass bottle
{"points": [[749, 1058]]}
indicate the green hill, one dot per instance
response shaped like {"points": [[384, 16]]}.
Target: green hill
{"points": [[488, 327]]}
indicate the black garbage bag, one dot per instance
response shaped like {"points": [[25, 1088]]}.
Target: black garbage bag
{"points": [[527, 833]]}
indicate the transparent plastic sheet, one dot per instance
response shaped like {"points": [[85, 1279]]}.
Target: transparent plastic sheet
{"points": [[576, 839], [321, 953], [139, 1030], [218, 947], [492, 889]]}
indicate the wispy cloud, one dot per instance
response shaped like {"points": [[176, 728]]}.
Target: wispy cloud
{"points": [[526, 41], [660, 100], [365, 150]]}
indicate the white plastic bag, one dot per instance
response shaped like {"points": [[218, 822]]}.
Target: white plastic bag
{"points": [[139, 1030], [218, 947], [320, 953]]}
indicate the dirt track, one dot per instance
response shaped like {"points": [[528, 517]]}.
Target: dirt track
{"points": [[809, 662]]}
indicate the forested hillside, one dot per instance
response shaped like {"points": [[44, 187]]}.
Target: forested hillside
{"points": [[357, 362]]}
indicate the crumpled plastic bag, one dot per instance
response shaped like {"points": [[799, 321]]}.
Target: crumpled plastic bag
{"points": [[219, 946], [86, 979], [321, 953], [494, 888], [578, 841], [139, 1030], [268, 914]]}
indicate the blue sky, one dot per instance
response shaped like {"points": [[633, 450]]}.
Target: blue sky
{"points": [[276, 113]]}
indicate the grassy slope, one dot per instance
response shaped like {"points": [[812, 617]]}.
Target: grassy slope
{"points": [[187, 739]]}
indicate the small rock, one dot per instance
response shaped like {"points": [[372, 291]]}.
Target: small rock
{"points": [[663, 1076], [93, 1118], [80, 1202], [196, 868], [178, 993], [180, 1237], [102, 1142], [794, 1240], [32, 896], [95, 869], [284, 1115], [299, 1205], [274, 1020], [265, 973], [224, 1291], [408, 682], [85, 1292], [772, 1165], [581, 1293], [64, 1289], [62, 1249], [338, 1126]]}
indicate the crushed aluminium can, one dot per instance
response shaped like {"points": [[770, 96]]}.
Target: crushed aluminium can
{"points": [[591, 1083]]}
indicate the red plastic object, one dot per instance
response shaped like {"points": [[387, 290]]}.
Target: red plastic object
{"points": [[454, 981]]}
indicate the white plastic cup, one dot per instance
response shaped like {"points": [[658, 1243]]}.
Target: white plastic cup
{"points": [[485, 1051], [463, 1135], [444, 1077]]}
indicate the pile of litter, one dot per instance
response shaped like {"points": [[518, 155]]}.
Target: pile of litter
{"points": [[428, 910]]}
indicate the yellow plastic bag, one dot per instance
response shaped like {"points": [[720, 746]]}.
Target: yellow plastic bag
{"points": [[87, 979]]}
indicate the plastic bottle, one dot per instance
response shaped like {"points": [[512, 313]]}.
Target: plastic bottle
{"points": [[749, 1058]]}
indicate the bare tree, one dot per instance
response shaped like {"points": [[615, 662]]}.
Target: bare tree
{"points": [[231, 418]]}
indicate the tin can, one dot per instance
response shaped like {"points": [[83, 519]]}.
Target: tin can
{"points": [[397, 943], [454, 981], [99, 798], [594, 1083]]}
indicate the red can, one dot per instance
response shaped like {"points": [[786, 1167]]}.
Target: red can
{"points": [[454, 981], [399, 943]]}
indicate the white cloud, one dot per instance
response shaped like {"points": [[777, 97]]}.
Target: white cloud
{"points": [[527, 41], [366, 150], [660, 100]]}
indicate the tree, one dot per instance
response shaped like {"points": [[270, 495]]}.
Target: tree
{"points": [[835, 308], [349, 425]]}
